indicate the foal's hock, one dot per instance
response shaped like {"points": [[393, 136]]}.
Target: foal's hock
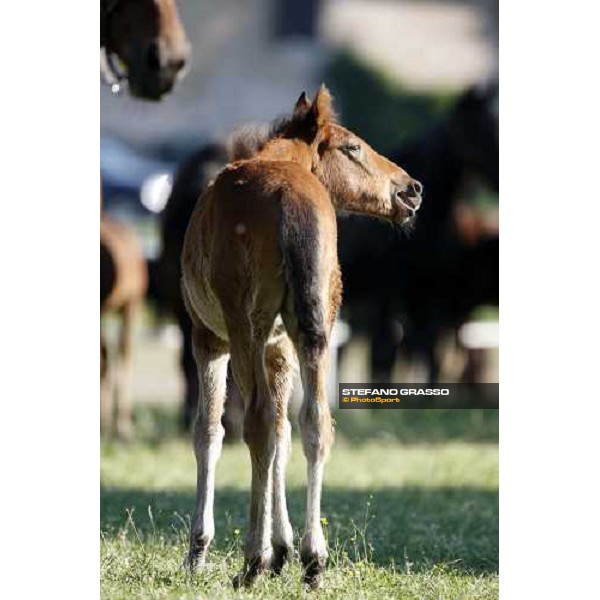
{"points": [[262, 285]]}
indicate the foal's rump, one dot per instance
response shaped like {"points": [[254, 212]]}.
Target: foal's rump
{"points": [[275, 224]]}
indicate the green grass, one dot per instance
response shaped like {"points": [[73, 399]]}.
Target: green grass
{"points": [[416, 518]]}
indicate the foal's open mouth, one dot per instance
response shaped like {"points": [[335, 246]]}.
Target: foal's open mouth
{"points": [[407, 212]]}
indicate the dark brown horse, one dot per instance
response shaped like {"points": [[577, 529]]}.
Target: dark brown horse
{"points": [[262, 285], [144, 44]]}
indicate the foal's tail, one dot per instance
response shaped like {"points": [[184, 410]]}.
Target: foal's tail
{"points": [[301, 246]]}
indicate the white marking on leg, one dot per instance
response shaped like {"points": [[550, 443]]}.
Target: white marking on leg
{"points": [[259, 537], [259, 432], [282, 529], [208, 445], [315, 423], [314, 540], [210, 451]]}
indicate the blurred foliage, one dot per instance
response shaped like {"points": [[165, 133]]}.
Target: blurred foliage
{"points": [[378, 108], [486, 313]]}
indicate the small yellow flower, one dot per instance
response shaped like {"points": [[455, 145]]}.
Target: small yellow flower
{"points": [[236, 532], [324, 521]]}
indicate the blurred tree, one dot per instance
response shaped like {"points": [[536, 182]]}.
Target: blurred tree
{"points": [[377, 108]]}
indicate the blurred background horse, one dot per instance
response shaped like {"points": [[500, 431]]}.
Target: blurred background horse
{"points": [[123, 282], [144, 44]]}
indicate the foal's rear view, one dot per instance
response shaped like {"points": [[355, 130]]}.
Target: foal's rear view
{"points": [[262, 284]]}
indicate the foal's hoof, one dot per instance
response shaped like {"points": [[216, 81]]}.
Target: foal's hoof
{"points": [[239, 580], [244, 578], [252, 569], [195, 559], [313, 569], [282, 554]]}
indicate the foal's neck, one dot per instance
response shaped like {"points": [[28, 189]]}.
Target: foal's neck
{"points": [[293, 150]]}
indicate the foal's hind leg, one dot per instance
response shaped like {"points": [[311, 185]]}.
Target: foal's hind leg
{"points": [[211, 356], [309, 321], [317, 437], [280, 360], [259, 435], [261, 370]]}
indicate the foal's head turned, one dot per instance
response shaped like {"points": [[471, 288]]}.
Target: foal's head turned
{"points": [[359, 179], [149, 40]]}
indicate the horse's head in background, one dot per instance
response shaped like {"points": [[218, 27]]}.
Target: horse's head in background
{"points": [[147, 40]]}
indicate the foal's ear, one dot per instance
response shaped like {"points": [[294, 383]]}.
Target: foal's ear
{"points": [[302, 106], [309, 116], [322, 107]]}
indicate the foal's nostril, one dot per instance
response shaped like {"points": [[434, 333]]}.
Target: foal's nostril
{"points": [[417, 187]]}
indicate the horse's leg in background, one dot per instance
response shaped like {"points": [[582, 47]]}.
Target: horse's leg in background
{"points": [[123, 371], [383, 345], [431, 341], [281, 360], [211, 355], [106, 397]]}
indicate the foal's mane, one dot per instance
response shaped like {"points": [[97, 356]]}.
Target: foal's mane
{"points": [[304, 123]]}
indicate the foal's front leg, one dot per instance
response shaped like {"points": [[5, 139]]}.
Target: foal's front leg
{"points": [[212, 356]]}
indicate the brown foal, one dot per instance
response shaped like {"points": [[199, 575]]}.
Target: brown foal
{"points": [[262, 285]]}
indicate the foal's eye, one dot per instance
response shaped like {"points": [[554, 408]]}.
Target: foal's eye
{"points": [[353, 150]]}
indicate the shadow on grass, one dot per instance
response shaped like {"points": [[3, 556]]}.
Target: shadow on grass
{"points": [[414, 527]]}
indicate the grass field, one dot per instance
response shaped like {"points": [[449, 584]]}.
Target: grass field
{"points": [[410, 509]]}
